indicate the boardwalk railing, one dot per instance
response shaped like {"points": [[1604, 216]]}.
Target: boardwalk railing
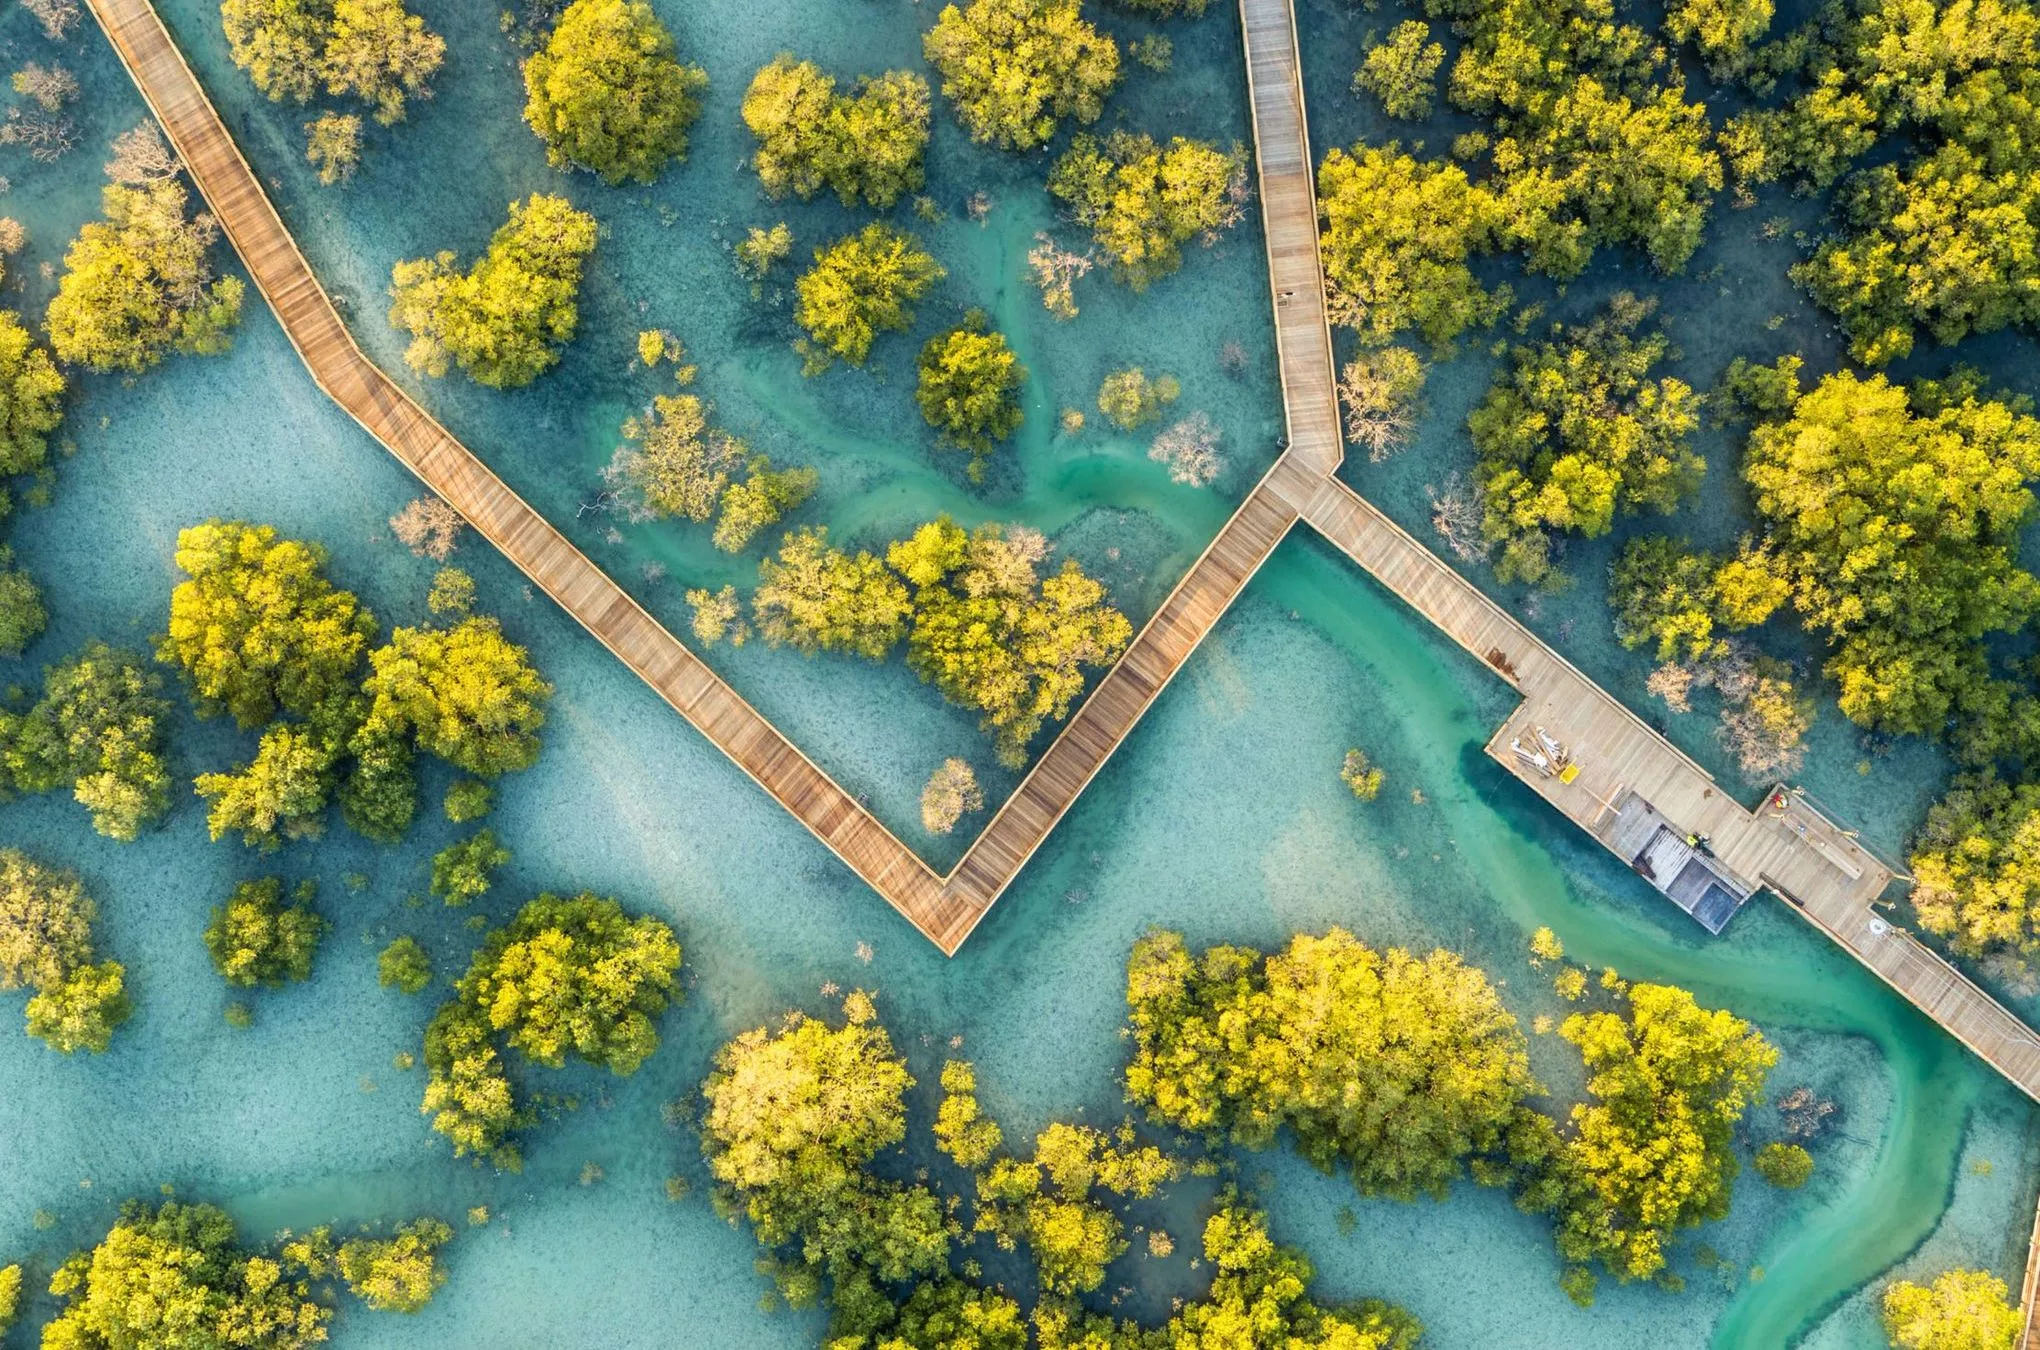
{"points": [[2029, 1291]]}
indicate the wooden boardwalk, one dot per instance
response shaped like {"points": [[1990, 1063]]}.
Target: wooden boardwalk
{"points": [[1296, 281], [1787, 845], [446, 466], [1311, 454], [945, 909]]}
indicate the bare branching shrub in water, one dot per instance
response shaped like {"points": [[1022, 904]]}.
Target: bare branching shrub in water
{"points": [[45, 136], [48, 87], [1731, 671], [1805, 1113], [429, 528], [57, 17], [1190, 450], [1456, 514], [140, 156], [1380, 391], [951, 794], [1673, 683], [1056, 270]]}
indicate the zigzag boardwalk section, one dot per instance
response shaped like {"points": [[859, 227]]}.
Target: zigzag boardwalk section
{"points": [[1109, 714], [946, 910], [1304, 345], [1787, 844]]}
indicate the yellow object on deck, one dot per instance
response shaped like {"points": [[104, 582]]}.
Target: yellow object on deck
{"points": [[1568, 773]]}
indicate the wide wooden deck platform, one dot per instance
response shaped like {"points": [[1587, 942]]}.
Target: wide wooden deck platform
{"points": [[1787, 844]]}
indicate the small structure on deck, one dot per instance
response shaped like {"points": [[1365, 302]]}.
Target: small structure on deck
{"points": [[1676, 863], [1545, 755]]}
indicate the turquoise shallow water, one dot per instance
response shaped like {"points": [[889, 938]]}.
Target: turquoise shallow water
{"points": [[1222, 815]]}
